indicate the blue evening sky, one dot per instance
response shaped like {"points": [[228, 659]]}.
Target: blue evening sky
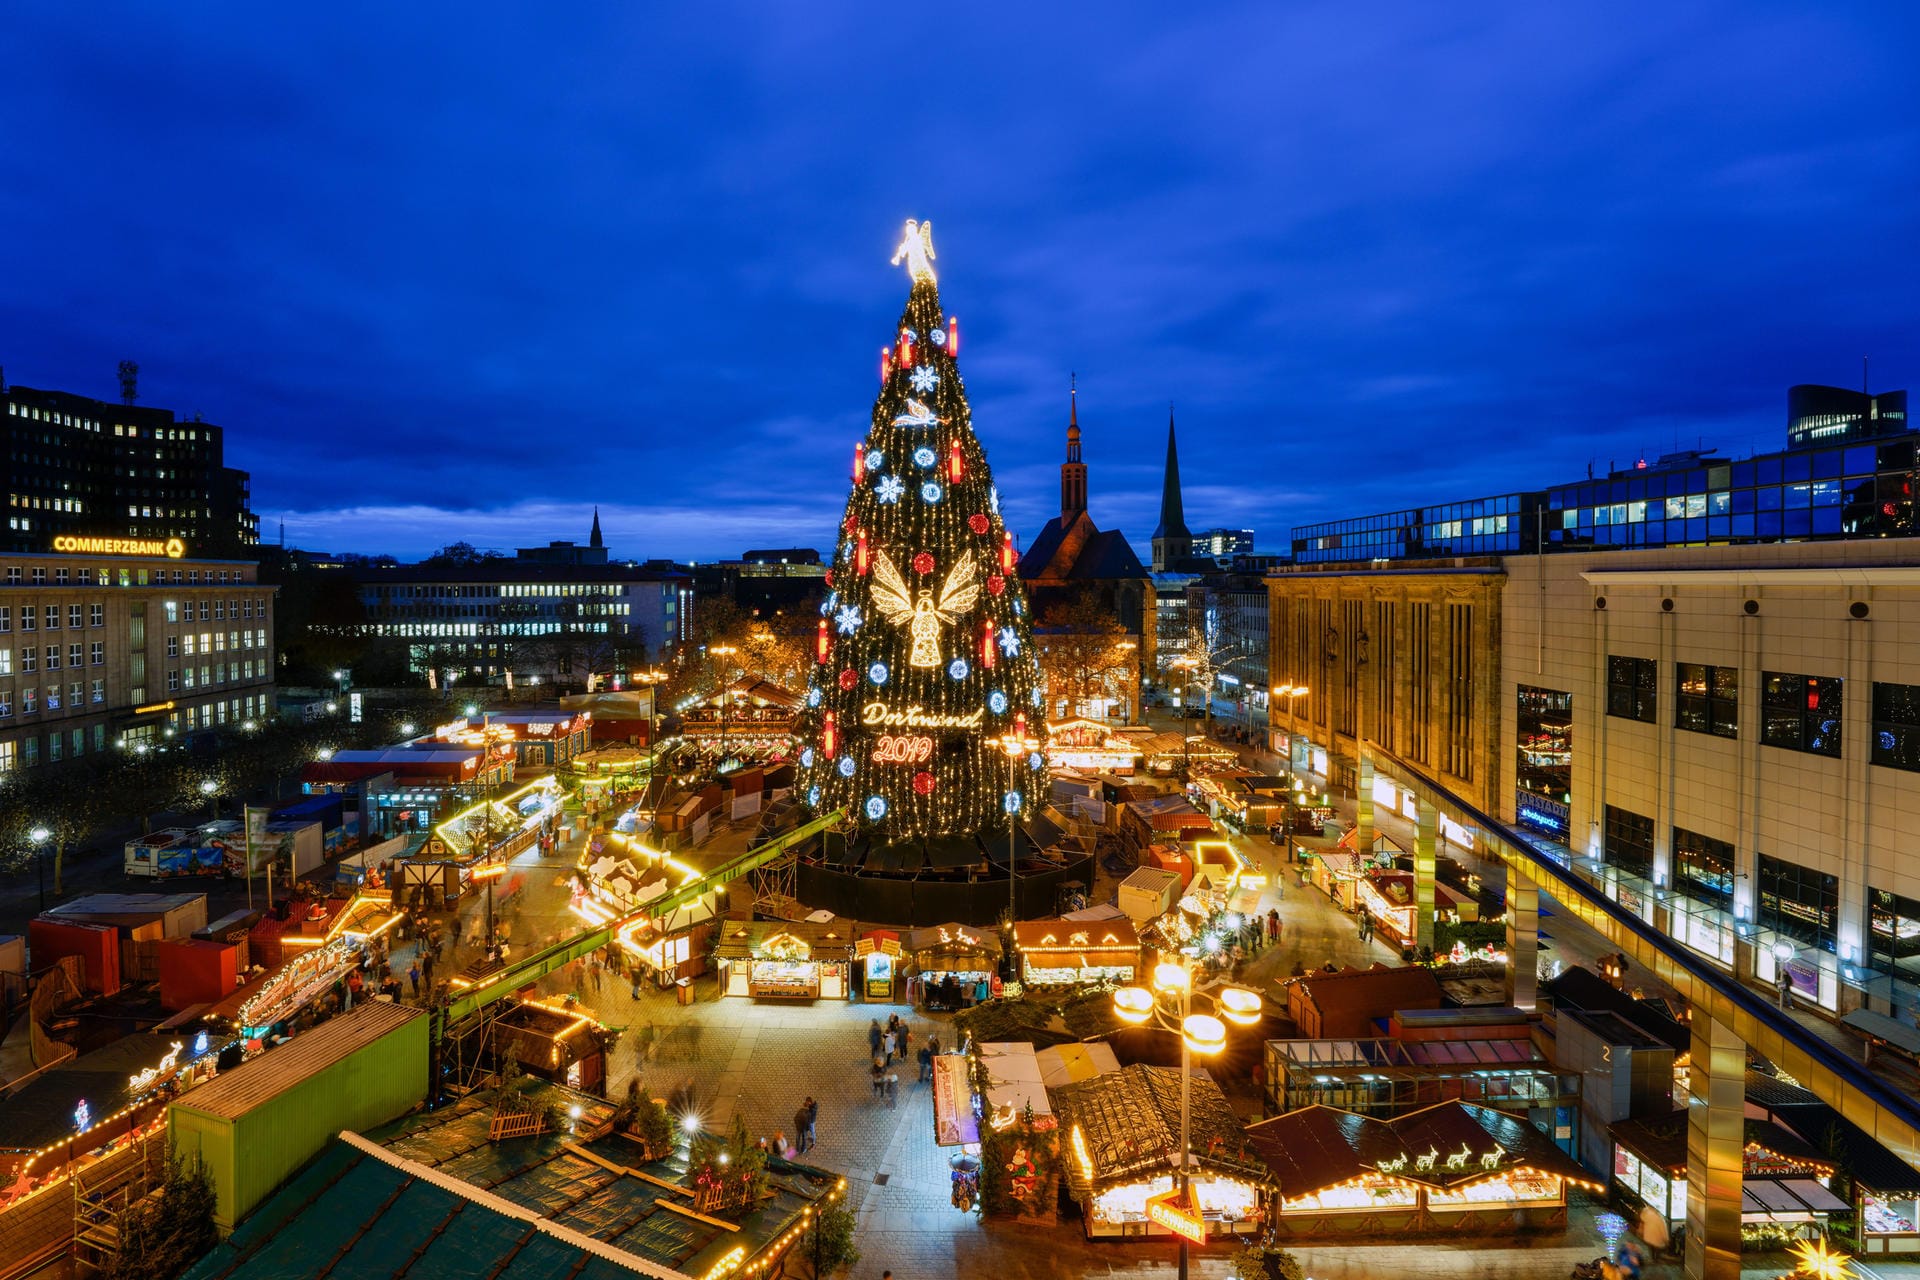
{"points": [[464, 271]]}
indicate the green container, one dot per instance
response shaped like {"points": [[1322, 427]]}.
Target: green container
{"points": [[255, 1125]]}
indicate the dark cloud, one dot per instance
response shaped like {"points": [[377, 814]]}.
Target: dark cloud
{"points": [[450, 278]]}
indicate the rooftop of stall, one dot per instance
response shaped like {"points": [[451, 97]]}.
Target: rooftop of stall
{"points": [[1581, 988], [1122, 1130], [953, 948], [1080, 943], [113, 1082], [1319, 1149], [1781, 1173], [829, 939], [1354, 1003]]}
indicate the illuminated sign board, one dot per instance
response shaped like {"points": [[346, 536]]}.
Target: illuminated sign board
{"points": [[171, 548], [154, 706], [1183, 1219]]}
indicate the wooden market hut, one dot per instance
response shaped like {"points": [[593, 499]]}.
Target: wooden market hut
{"points": [[1455, 1168], [1122, 1131]]}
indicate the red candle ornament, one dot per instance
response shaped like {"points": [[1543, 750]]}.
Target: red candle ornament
{"points": [[822, 643], [829, 736], [1019, 724], [955, 469], [860, 556], [987, 651], [905, 357], [1007, 559], [859, 462], [886, 363], [953, 336]]}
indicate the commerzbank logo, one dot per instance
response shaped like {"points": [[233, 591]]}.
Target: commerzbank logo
{"points": [[172, 548]]}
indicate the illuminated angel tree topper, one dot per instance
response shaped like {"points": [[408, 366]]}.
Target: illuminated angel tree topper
{"points": [[924, 662]]}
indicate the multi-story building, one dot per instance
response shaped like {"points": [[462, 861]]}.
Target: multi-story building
{"points": [[115, 642], [1725, 737], [1233, 615], [1222, 545], [92, 468], [557, 622]]}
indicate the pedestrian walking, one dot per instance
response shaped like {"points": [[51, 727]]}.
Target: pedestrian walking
{"points": [[1784, 982], [426, 969], [813, 1117], [633, 973], [926, 1063], [875, 1036], [800, 1132], [413, 977]]}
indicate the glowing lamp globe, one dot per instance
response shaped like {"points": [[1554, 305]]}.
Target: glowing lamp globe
{"points": [[1204, 1033], [1170, 977], [1240, 1006], [1133, 1004]]}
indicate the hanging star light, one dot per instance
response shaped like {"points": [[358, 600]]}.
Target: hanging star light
{"points": [[889, 489], [848, 619], [1009, 641], [1813, 1261], [924, 379]]}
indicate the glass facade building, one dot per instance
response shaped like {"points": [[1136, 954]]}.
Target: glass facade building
{"points": [[1496, 526], [1849, 472]]}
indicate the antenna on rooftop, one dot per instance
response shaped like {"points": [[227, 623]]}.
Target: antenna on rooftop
{"points": [[129, 381]]}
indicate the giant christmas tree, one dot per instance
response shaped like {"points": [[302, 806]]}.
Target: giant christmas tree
{"points": [[924, 665]]}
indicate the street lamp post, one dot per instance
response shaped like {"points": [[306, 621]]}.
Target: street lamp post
{"points": [[1017, 747], [39, 836], [1168, 1004]]}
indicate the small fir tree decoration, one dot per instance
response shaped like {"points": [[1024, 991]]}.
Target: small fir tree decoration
{"points": [[923, 659]]}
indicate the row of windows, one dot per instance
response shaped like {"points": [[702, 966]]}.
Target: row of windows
{"points": [[70, 697], [177, 611], [217, 673], [88, 424], [61, 743], [78, 655], [216, 641], [1793, 900], [1797, 712], [102, 577], [1864, 460], [96, 616]]}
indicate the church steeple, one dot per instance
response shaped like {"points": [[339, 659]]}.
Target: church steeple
{"points": [[1171, 541], [594, 539], [1073, 473]]}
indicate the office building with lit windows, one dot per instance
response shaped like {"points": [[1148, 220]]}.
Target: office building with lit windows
{"points": [[557, 623], [85, 467], [1700, 690], [119, 644]]}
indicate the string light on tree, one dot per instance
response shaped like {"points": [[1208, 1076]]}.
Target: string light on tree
{"points": [[929, 610]]}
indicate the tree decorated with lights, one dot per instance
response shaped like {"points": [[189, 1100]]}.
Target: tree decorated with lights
{"points": [[924, 666]]}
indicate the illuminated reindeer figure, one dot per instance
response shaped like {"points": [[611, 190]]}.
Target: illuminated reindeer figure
{"points": [[1424, 1164], [1458, 1160]]}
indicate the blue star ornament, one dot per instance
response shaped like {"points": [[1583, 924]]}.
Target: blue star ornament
{"points": [[925, 380], [1009, 641], [848, 619], [890, 489]]}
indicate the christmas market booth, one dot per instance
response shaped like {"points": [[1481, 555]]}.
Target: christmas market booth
{"points": [[1883, 1188], [1122, 1133], [1091, 746], [1784, 1182], [554, 1040], [953, 964], [1076, 953], [1454, 1168], [621, 877], [807, 959], [750, 718]]}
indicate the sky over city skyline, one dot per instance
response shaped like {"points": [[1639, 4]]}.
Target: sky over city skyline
{"points": [[463, 277]]}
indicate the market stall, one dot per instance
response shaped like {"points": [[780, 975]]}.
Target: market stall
{"points": [[1884, 1189], [1338, 873], [1784, 1189], [1122, 1133], [1388, 897], [1453, 1167], [1091, 746], [620, 877], [952, 964], [1076, 953], [786, 959]]}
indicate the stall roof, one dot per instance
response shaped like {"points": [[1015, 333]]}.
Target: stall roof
{"points": [[1867, 1161], [1377, 990], [1059, 934], [1129, 1126], [1581, 988], [1661, 1141], [376, 1218], [599, 1189], [1014, 1083], [234, 1093], [1065, 1064], [958, 939], [121, 908], [832, 937], [40, 1112], [1318, 1147]]}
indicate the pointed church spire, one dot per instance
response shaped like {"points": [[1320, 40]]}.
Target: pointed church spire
{"points": [[1171, 541], [594, 539], [1073, 473]]}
